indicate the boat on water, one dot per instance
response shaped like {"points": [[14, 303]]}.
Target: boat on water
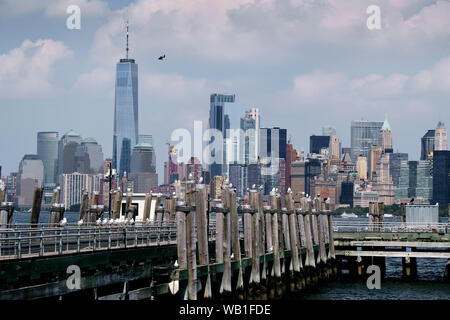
{"points": [[349, 215], [388, 215]]}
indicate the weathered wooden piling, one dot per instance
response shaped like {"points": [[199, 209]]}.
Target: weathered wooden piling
{"points": [[36, 207], [322, 257], [447, 272], [255, 281], [117, 205], [262, 245], [236, 246], [191, 241], [225, 288], [331, 250], [56, 213], [6, 214], [147, 205], [84, 206], [202, 235], [2, 192], [297, 276], [275, 286], [310, 264]]}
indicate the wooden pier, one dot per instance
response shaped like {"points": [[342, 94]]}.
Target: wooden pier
{"points": [[195, 249]]}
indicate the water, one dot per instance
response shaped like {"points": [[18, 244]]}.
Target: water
{"points": [[428, 286], [24, 217]]}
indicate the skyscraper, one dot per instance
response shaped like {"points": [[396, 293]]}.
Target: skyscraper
{"points": [[386, 137], [440, 137], [334, 147], [31, 175], [249, 145], [364, 134], [441, 178], [89, 157], [273, 143], [427, 144], [47, 151], [67, 147], [394, 165], [217, 121], [316, 143], [125, 113], [142, 168], [415, 181]]}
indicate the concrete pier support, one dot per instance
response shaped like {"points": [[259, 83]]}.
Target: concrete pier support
{"points": [[409, 268]]}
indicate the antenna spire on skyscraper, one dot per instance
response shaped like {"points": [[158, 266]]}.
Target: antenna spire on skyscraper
{"points": [[127, 41]]}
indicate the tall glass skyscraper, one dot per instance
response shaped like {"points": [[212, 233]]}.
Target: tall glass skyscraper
{"points": [[364, 134], [125, 114], [47, 151], [217, 121]]}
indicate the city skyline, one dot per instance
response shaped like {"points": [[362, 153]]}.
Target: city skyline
{"points": [[80, 69]]}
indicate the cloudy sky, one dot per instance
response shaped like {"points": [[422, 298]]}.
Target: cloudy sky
{"points": [[303, 63]]}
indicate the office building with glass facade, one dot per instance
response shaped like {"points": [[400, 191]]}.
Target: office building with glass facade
{"points": [[125, 114], [364, 134], [47, 151]]}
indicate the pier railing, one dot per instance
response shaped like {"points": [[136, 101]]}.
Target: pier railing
{"points": [[364, 226], [25, 240]]}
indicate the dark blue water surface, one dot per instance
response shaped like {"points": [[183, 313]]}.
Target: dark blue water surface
{"points": [[428, 286]]}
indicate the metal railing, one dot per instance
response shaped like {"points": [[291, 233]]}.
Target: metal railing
{"points": [[21, 241], [364, 226]]}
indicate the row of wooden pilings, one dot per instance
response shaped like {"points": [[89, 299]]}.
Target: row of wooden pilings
{"points": [[268, 229]]}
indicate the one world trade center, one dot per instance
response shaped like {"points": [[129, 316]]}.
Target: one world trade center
{"points": [[125, 113]]}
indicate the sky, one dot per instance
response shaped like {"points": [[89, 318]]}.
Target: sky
{"points": [[304, 63]]}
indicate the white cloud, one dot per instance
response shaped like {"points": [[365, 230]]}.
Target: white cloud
{"points": [[26, 71], [317, 84]]}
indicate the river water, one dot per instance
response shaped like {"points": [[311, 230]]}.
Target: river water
{"points": [[428, 286]]}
